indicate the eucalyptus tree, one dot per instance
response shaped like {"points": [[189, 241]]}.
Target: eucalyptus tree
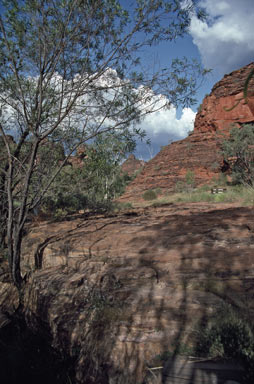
{"points": [[69, 71], [93, 178], [238, 151]]}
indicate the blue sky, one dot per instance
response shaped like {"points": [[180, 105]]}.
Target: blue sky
{"points": [[223, 43]]}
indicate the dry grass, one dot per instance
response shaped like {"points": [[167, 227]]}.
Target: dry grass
{"points": [[243, 195]]}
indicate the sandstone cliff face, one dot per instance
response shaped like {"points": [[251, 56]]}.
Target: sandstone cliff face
{"points": [[200, 151], [215, 114], [197, 153], [115, 292]]}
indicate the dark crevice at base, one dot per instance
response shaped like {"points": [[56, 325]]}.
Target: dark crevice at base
{"points": [[29, 358]]}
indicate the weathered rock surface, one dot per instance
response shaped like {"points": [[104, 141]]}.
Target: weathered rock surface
{"points": [[215, 114], [200, 151], [198, 154], [114, 292]]}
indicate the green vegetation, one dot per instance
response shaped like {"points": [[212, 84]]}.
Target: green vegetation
{"points": [[95, 183], [238, 150], [190, 178], [70, 72], [150, 195], [228, 336], [187, 184], [240, 194]]}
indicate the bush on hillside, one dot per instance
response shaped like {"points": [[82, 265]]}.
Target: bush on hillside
{"points": [[229, 337], [150, 195], [238, 151]]}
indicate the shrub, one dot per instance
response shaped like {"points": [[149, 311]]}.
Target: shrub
{"points": [[157, 191], [205, 188], [161, 203], [221, 198], [121, 206], [150, 195], [228, 337], [195, 197], [240, 147], [180, 186], [66, 203], [190, 178]]}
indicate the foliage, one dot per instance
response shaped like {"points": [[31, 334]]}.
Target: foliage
{"points": [[190, 178], [96, 181], [186, 184], [70, 70], [149, 195], [179, 186], [215, 166], [236, 193], [232, 338], [239, 150], [228, 337], [123, 206]]}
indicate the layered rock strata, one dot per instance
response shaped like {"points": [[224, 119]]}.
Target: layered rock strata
{"points": [[199, 153], [114, 293]]}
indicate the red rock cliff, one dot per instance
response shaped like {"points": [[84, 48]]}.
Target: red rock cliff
{"points": [[199, 152], [215, 114]]}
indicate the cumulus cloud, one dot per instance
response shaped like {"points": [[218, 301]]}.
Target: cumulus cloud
{"points": [[163, 127], [225, 40], [160, 122]]}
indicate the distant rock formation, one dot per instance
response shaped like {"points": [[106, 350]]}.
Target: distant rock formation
{"points": [[199, 153], [77, 161], [132, 165]]}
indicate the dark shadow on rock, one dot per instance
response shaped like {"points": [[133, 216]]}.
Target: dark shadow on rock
{"points": [[26, 357], [168, 276]]}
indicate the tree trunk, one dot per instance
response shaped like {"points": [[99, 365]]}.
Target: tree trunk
{"points": [[16, 252]]}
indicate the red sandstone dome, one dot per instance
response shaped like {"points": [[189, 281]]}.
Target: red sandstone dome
{"points": [[200, 151]]}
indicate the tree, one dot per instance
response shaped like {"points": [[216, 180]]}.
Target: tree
{"points": [[238, 150], [95, 179], [69, 71], [102, 168]]}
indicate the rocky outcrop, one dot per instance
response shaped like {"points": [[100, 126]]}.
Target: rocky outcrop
{"points": [[199, 154], [77, 160], [132, 165], [116, 293], [217, 114], [196, 156]]}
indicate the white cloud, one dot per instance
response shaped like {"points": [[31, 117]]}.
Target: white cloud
{"points": [[166, 122], [225, 39], [162, 127]]}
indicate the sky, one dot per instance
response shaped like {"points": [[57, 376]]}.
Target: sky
{"points": [[223, 42]]}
